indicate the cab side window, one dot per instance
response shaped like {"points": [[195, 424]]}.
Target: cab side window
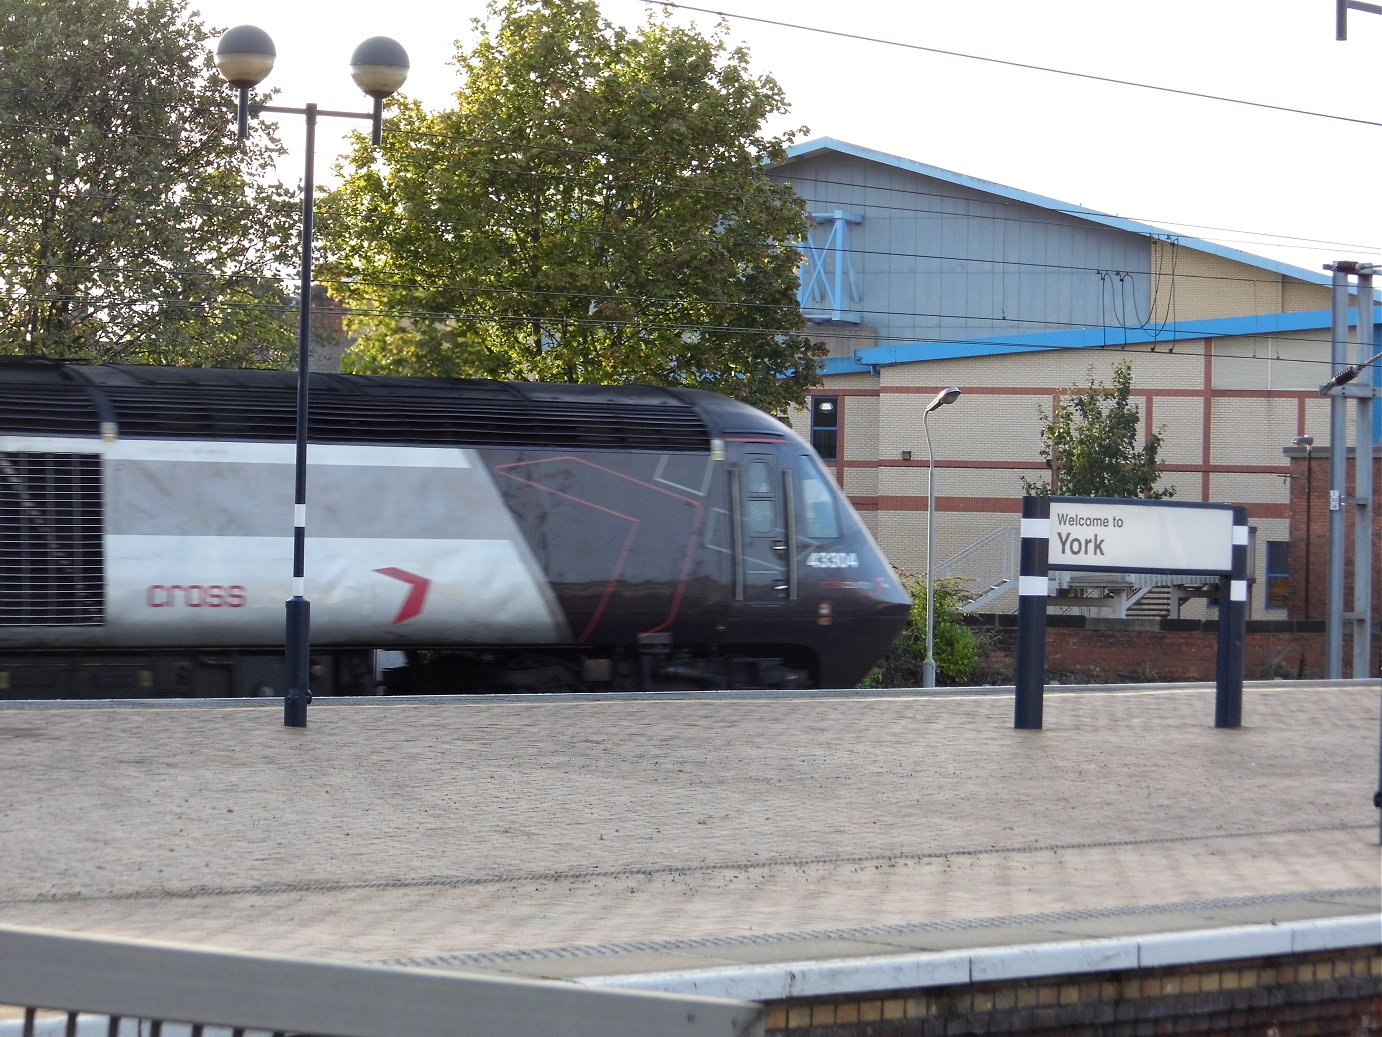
{"points": [[760, 499], [819, 518]]}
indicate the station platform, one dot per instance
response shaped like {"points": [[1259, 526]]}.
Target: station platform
{"points": [[630, 840]]}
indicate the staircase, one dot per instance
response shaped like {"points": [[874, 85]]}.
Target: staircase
{"points": [[987, 568], [1154, 603]]}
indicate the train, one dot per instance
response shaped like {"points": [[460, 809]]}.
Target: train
{"points": [[462, 536]]}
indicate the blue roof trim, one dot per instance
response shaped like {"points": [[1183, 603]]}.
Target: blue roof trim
{"points": [[824, 144], [1087, 338], [844, 365]]}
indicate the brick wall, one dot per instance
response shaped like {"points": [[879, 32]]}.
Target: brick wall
{"points": [[1091, 650], [1312, 485], [1329, 993]]}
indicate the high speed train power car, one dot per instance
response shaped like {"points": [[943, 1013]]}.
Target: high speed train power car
{"points": [[487, 536]]}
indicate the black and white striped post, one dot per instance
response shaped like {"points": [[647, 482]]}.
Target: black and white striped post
{"points": [[1031, 612], [1233, 624]]}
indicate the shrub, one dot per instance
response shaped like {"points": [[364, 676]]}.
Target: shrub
{"points": [[956, 646]]}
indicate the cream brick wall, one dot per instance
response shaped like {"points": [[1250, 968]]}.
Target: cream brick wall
{"points": [[980, 483], [1252, 430], [1294, 361], [1153, 367], [1189, 285], [1247, 490], [866, 382], [1298, 296], [861, 482], [1011, 424], [861, 428], [905, 532], [1187, 486], [1051, 370], [1180, 422]]}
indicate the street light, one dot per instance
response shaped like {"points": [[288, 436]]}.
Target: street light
{"points": [[1307, 442], [379, 67], [928, 666]]}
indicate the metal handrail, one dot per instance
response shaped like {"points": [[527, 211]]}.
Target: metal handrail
{"points": [[128, 979]]}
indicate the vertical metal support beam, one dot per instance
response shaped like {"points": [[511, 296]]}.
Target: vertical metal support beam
{"points": [[1032, 586], [928, 664], [1341, 9], [1233, 625], [1338, 474], [1360, 618]]}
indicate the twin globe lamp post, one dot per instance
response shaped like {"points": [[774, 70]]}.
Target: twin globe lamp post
{"points": [[928, 666], [379, 66]]}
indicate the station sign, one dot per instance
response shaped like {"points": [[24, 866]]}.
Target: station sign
{"points": [[1122, 535], [1090, 533]]}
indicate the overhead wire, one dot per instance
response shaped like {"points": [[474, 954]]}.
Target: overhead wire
{"points": [[858, 37], [1074, 211], [1062, 209]]}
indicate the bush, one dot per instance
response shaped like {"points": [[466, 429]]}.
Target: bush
{"points": [[956, 646]]}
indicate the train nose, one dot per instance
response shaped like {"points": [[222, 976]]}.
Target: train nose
{"points": [[892, 597]]}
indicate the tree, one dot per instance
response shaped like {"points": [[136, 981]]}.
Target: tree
{"points": [[131, 226], [594, 209], [1091, 445]]}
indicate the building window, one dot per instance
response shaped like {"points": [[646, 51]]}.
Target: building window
{"points": [[825, 426], [1278, 574]]}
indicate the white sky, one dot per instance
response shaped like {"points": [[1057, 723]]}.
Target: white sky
{"points": [[1243, 176]]}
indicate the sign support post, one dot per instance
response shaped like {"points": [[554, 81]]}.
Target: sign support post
{"points": [[1031, 612], [1233, 622]]}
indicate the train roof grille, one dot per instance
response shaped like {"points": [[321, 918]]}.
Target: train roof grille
{"points": [[262, 405]]}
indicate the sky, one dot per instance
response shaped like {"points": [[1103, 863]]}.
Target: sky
{"points": [[1290, 175]]}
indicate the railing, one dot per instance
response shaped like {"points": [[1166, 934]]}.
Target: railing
{"points": [[988, 568], [124, 987]]}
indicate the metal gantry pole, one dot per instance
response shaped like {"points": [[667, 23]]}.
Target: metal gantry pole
{"points": [[1351, 381], [1361, 504], [1338, 475]]}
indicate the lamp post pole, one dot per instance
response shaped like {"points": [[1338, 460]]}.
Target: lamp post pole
{"points": [[379, 66], [1307, 442], [928, 666]]}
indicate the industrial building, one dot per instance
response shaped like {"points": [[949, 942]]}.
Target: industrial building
{"points": [[917, 278]]}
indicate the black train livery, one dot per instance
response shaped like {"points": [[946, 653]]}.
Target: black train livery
{"points": [[483, 536]]}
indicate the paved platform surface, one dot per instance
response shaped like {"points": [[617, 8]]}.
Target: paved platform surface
{"points": [[596, 837]]}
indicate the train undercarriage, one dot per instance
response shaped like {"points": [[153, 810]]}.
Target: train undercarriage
{"points": [[258, 673]]}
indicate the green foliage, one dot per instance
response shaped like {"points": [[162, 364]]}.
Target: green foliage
{"points": [[1091, 445], [956, 647], [130, 224], [593, 209]]}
